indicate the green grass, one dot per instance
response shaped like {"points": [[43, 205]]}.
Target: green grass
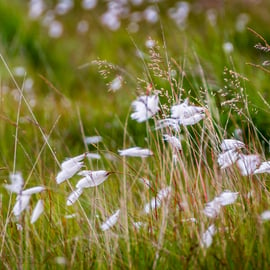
{"points": [[72, 101]]}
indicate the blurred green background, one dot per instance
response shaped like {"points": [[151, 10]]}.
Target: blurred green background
{"points": [[50, 47]]}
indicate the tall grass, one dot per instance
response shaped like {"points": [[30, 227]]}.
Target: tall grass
{"points": [[169, 237]]}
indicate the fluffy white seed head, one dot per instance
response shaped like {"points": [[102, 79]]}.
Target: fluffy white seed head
{"points": [[92, 179], [33, 190], [264, 168], [71, 162], [21, 204], [207, 236], [231, 144], [74, 196], [37, 211], [212, 209], [247, 164], [67, 173], [265, 215], [174, 141], [135, 152], [145, 107], [227, 197], [17, 182], [227, 159], [111, 221]]}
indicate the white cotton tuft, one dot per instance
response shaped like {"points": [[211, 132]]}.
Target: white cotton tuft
{"points": [[92, 178], [33, 190], [168, 123], [116, 83], [67, 173], [227, 158], [156, 201], [247, 164], [92, 140], [110, 221], [265, 215], [212, 208], [264, 168], [174, 141], [70, 162], [207, 236], [93, 156], [231, 144], [135, 152], [17, 182], [152, 205], [37, 211], [21, 204], [186, 114], [227, 197], [74, 196], [145, 107]]}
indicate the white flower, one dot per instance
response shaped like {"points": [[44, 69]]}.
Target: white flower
{"points": [[19, 71], [156, 201], [265, 215], [116, 83], [212, 208], [92, 178], [67, 173], [110, 221], [178, 111], [21, 204], [135, 152], [93, 156], [89, 4], [36, 8], [227, 159], [207, 236], [37, 211], [70, 162], [74, 196], [64, 6], [150, 43], [174, 141], [151, 14], [227, 197], [164, 193], [186, 114], [17, 182], [264, 168], [192, 120], [92, 139], [145, 107], [231, 144], [55, 29], [168, 122], [33, 190], [154, 204], [247, 164], [227, 47]]}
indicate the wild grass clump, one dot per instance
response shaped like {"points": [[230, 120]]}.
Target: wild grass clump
{"points": [[193, 200]]}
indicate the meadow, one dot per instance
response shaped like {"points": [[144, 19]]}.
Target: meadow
{"points": [[134, 134]]}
